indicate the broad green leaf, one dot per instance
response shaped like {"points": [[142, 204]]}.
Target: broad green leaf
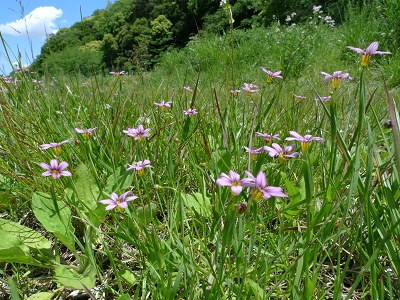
{"points": [[147, 213], [128, 277], [41, 296], [69, 276], [124, 297], [198, 203], [86, 186], [55, 217], [296, 197], [119, 181], [29, 237], [13, 250], [83, 193]]}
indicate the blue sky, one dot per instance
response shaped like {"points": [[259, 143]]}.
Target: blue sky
{"points": [[37, 17]]}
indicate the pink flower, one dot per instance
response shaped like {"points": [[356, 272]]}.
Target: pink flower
{"points": [[163, 105], [336, 76], [276, 151], [187, 89], [56, 146], [235, 92], [117, 74], [299, 98], [190, 112], [86, 132], [250, 88], [304, 140], [138, 133], [267, 137], [120, 202], [262, 190], [372, 49], [140, 166], [253, 151], [323, 99], [54, 169], [233, 181], [271, 74]]}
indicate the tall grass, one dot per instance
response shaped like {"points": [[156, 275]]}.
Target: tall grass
{"points": [[334, 236]]}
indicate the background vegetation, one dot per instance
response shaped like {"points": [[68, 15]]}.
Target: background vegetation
{"points": [[335, 236], [130, 35]]}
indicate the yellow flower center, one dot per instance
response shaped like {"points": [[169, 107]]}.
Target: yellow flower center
{"points": [[257, 195], [335, 82], [55, 172], [305, 146], [365, 59], [269, 78], [140, 172], [86, 135], [57, 149]]}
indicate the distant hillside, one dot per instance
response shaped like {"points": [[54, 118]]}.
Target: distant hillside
{"points": [[130, 35]]}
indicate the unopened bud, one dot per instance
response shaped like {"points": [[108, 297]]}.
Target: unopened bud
{"points": [[241, 207]]}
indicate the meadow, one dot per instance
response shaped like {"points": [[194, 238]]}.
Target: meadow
{"points": [[206, 178]]}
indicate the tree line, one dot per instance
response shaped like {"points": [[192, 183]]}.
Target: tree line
{"points": [[130, 35]]}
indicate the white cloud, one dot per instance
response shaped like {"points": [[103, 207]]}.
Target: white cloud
{"points": [[38, 23]]}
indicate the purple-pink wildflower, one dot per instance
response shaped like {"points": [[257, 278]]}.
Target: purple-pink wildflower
{"points": [[187, 89], [56, 146], [55, 169], [235, 92], [250, 88], [268, 137], [366, 54], [324, 99], [253, 151], [140, 166], [163, 105], [117, 74], [86, 132], [262, 190], [138, 133], [304, 140], [119, 202], [276, 151], [336, 76], [272, 75], [233, 180], [190, 112], [299, 98]]}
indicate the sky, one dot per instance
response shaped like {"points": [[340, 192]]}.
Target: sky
{"points": [[24, 25]]}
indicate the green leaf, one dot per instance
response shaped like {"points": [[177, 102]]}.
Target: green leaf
{"points": [[28, 236], [55, 217], [128, 277], [124, 297], [146, 213], [69, 276], [13, 289], [84, 193], [41, 296], [119, 181], [296, 198], [13, 250], [198, 203], [258, 292]]}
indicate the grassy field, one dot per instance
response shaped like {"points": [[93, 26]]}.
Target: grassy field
{"points": [[328, 230]]}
